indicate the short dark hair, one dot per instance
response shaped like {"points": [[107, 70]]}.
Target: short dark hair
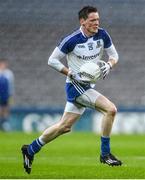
{"points": [[85, 11]]}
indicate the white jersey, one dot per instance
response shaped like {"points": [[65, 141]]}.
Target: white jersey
{"points": [[80, 49]]}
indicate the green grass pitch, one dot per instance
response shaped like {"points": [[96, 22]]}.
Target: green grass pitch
{"points": [[73, 156]]}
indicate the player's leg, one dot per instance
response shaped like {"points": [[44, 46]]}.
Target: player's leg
{"points": [[63, 126], [71, 114], [94, 99], [109, 111]]}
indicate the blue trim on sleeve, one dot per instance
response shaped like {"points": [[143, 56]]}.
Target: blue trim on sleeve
{"points": [[102, 34], [69, 42]]}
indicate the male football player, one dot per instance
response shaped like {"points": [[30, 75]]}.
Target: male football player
{"points": [[83, 45], [6, 93]]}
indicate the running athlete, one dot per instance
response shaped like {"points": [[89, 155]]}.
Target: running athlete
{"points": [[83, 45]]}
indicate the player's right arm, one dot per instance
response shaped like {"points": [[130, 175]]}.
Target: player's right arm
{"points": [[65, 46], [54, 61]]}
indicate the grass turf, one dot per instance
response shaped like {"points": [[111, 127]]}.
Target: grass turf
{"points": [[73, 156]]}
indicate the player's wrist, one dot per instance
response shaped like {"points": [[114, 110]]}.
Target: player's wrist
{"points": [[70, 74]]}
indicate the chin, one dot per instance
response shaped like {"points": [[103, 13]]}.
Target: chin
{"points": [[96, 30]]}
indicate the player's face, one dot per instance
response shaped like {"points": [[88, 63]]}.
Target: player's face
{"points": [[91, 24]]}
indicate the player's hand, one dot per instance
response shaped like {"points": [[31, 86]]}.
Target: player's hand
{"points": [[105, 68], [76, 77]]}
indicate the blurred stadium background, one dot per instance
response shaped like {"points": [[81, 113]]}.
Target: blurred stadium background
{"points": [[29, 31]]}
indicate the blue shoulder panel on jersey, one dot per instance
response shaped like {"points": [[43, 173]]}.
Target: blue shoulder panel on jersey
{"points": [[102, 34], [69, 42]]}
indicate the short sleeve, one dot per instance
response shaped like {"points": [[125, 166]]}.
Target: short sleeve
{"points": [[107, 39], [67, 45]]}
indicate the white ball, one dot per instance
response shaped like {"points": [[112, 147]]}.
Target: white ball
{"points": [[90, 72]]}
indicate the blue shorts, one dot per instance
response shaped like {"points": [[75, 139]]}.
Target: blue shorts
{"points": [[75, 89]]}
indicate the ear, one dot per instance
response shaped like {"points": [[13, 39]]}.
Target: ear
{"points": [[82, 22]]}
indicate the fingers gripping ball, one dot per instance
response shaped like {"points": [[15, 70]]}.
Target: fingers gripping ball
{"points": [[104, 67]]}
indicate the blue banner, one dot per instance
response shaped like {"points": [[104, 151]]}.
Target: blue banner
{"points": [[38, 119], [128, 120]]}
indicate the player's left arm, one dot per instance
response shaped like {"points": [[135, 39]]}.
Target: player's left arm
{"points": [[111, 52], [112, 60], [112, 55]]}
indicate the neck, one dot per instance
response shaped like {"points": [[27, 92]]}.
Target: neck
{"points": [[86, 32]]}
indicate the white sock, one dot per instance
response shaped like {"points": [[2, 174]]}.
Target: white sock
{"points": [[41, 141]]}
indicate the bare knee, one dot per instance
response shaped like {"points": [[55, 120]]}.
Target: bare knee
{"points": [[111, 110]]}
